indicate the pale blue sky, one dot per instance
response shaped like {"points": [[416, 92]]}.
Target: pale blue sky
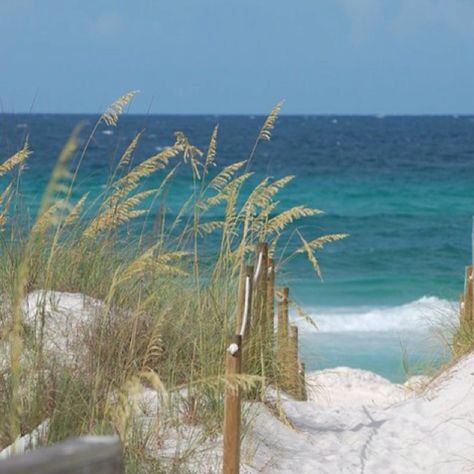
{"points": [[239, 56]]}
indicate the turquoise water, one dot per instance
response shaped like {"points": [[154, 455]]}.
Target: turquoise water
{"points": [[402, 187]]}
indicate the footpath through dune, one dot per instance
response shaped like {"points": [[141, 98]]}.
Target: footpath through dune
{"points": [[358, 422]]}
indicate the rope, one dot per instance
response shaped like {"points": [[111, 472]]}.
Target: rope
{"points": [[233, 348], [246, 306], [259, 267]]}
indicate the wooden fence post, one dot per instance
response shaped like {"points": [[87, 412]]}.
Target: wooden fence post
{"points": [[259, 353], [303, 394], [468, 296], [282, 334], [270, 316], [231, 429], [461, 309], [294, 378]]}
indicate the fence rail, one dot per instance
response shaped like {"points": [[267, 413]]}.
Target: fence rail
{"points": [[89, 454]]}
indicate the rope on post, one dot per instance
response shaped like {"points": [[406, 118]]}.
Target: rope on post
{"points": [[258, 267], [245, 315]]}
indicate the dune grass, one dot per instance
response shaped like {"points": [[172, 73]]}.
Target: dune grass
{"points": [[166, 305]]}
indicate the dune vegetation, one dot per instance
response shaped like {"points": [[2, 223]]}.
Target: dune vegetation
{"points": [[160, 304]]}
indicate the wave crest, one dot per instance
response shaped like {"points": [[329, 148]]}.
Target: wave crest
{"points": [[418, 315]]}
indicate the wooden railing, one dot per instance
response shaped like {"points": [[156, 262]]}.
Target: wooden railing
{"points": [[89, 454]]}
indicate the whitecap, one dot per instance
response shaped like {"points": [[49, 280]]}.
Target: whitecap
{"points": [[419, 315]]}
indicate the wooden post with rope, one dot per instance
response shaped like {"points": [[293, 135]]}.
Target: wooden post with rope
{"points": [[252, 347], [233, 368], [259, 350], [468, 297]]}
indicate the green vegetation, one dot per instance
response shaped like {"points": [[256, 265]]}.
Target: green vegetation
{"points": [[162, 313]]}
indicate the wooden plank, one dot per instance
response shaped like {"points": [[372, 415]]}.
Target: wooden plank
{"points": [[231, 430], [88, 454]]}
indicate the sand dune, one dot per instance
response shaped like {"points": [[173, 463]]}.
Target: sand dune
{"points": [[361, 423]]}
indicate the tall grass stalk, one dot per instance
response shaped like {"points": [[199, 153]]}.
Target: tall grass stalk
{"points": [[160, 305]]}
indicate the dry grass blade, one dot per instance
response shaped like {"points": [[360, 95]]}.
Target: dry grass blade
{"points": [[209, 227], [269, 124], [156, 162], [212, 150], [303, 314], [190, 152], [319, 242], [76, 210], [111, 114], [224, 177], [115, 215], [150, 261], [127, 154], [4, 204], [15, 160], [265, 192], [311, 257], [227, 191], [279, 222]]}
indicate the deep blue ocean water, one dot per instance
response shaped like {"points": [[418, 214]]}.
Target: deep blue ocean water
{"points": [[402, 187]]}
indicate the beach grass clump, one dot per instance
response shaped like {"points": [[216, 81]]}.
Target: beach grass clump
{"points": [[156, 306]]}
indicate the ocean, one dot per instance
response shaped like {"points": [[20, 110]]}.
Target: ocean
{"points": [[402, 187]]}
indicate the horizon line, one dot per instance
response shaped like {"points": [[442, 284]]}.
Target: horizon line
{"points": [[249, 114]]}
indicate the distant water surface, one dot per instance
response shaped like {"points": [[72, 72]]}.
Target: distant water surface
{"points": [[402, 187]]}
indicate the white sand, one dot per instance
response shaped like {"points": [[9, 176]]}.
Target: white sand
{"points": [[351, 429], [354, 421]]}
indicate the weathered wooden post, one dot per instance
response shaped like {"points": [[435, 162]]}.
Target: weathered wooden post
{"points": [[303, 394], [256, 343], [282, 333], [232, 406], [468, 296], [294, 378], [461, 309], [270, 315]]}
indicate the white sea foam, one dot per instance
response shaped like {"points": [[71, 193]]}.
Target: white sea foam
{"points": [[419, 315]]}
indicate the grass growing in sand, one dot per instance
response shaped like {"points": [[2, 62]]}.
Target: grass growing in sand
{"points": [[163, 311]]}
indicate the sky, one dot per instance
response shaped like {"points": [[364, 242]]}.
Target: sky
{"points": [[238, 56]]}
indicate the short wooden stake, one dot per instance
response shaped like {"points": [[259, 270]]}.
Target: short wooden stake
{"points": [[303, 394], [232, 409], [294, 379]]}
